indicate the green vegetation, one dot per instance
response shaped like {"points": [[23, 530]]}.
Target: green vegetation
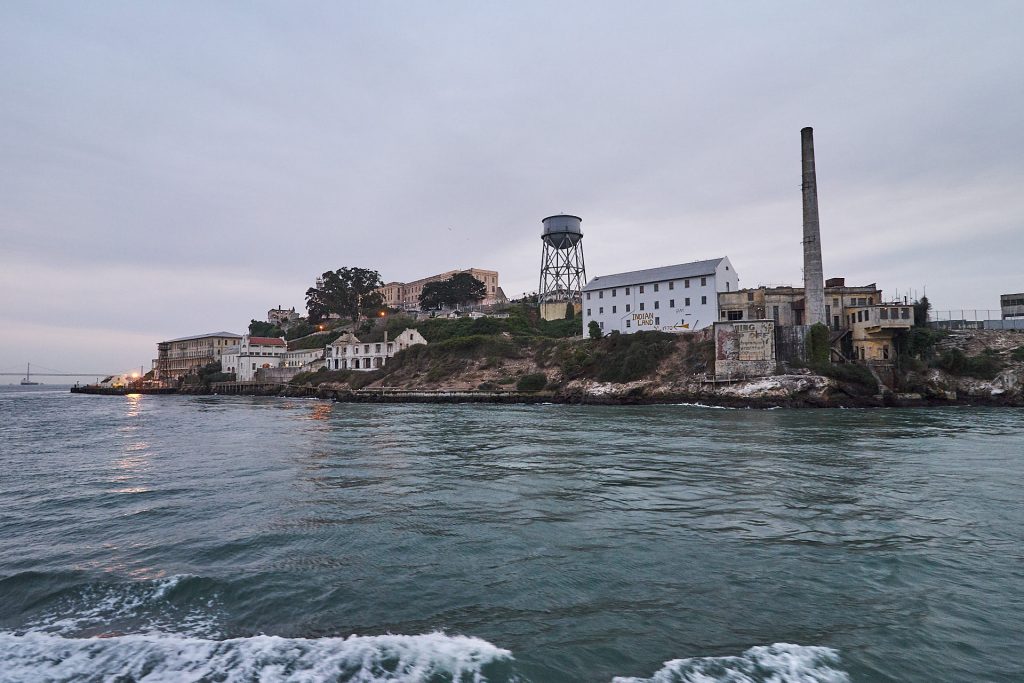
{"points": [[258, 328], [1018, 354], [346, 292], [207, 375], [522, 321], [300, 328], [615, 358], [594, 330], [851, 373], [532, 382], [315, 341], [819, 350], [459, 289], [984, 366]]}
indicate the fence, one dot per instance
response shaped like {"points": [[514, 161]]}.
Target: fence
{"points": [[973, 319]]}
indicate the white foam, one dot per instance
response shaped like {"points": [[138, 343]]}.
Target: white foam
{"points": [[778, 663], [144, 604], [153, 658]]}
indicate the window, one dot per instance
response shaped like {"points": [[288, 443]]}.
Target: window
{"points": [[750, 296], [655, 286], [376, 348], [735, 315], [860, 317], [835, 303], [627, 291], [884, 313], [671, 303], [905, 313], [703, 282], [723, 315], [588, 312], [885, 352], [686, 284], [657, 305], [600, 295], [588, 296], [727, 285], [686, 301], [775, 313], [641, 305], [627, 308], [614, 291], [602, 325], [671, 285], [627, 322], [871, 301], [657, 321], [641, 289], [613, 309], [601, 310], [703, 300]]}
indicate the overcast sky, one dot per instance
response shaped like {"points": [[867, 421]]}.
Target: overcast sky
{"points": [[180, 167]]}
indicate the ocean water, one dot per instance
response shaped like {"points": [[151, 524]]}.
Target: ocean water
{"points": [[230, 539]]}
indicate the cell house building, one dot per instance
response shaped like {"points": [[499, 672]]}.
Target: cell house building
{"points": [[669, 299]]}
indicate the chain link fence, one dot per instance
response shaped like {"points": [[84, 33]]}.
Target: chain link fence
{"points": [[973, 319]]}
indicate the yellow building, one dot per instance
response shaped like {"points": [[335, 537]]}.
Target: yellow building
{"points": [[176, 358], [406, 295]]}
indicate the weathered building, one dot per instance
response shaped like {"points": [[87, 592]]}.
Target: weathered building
{"points": [[406, 295], [669, 299], [348, 352], [176, 358], [873, 330], [1012, 305], [786, 305], [744, 349], [282, 317]]}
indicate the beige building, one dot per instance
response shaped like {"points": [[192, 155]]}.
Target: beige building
{"points": [[785, 305], [176, 358], [873, 329], [857, 311], [406, 295]]}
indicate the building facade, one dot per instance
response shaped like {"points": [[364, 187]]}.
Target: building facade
{"points": [[873, 330], [252, 354], [1012, 305], [347, 352], [406, 295], [785, 305], [670, 299], [176, 358], [282, 317]]}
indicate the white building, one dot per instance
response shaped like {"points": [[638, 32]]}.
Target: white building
{"points": [[349, 353], [303, 357], [669, 299], [251, 354]]}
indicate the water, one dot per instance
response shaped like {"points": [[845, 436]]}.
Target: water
{"points": [[165, 538]]}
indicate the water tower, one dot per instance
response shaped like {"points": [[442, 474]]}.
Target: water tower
{"points": [[562, 273]]}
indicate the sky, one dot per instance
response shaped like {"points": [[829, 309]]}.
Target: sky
{"points": [[173, 168]]}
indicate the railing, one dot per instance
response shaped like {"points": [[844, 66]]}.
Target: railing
{"points": [[973, 319]]}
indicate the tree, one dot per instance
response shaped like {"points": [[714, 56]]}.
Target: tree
{"points": [[594, 329], [461, 288], [345, 292], [921, 308], [570, 311], [258, 328]]}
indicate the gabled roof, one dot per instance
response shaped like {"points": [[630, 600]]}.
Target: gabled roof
{"points": [[203, 336], [267, 341], [641, 277]]}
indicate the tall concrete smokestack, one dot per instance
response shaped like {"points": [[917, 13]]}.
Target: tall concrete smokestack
{"points": [[814, 279]]}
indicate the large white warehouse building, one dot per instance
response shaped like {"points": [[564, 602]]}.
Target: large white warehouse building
{"points": [[669, 299]]}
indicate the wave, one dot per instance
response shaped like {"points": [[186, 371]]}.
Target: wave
{"points": [[778, 663], [432, 657], [181, 603]]}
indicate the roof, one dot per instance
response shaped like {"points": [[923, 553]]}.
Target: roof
{"points": [[203, 336], [267, 341], [640, 277]]}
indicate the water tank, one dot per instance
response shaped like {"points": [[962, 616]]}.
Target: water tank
{"points": [[562, 231]]}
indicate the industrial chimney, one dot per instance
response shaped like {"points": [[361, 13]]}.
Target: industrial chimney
{"points": [[814, 279]]}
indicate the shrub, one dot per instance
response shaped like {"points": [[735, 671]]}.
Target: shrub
{"points": [[818, 346], [853, 373], [1018, 354], [594, 330], [532, 382], [985, 366]]}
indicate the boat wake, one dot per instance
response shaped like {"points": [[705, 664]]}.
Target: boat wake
{"points": [[779, 663]]}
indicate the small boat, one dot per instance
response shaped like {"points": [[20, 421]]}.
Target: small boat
{"points": [[27, 382]]}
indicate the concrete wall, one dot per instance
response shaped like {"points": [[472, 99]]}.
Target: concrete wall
{"points": [[791, 343], [744, 349]]}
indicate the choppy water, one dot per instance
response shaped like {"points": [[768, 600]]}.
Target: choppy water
{"points": [[236, 539]]}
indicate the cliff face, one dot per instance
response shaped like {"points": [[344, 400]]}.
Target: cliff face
{"points": [[657, 368]]}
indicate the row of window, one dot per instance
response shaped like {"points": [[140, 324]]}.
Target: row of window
{"points": [[671, 286], [883, 313], [657, 321], [355, 349], [1013, 302], [657, 305]]}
